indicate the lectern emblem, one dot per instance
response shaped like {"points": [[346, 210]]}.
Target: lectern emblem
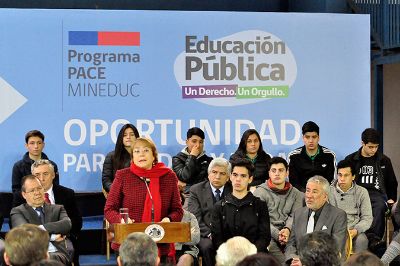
{"points": [[155, 231]]}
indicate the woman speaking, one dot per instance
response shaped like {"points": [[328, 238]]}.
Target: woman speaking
{"points": [[129, 190]]}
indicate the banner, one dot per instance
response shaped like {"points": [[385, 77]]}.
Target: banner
{"points": [[79, 75]]}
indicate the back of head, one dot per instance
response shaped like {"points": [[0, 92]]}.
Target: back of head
{"points": [[138, 249], [370, 135], [364, 258], [310, 126], [195, 131], [319, 249], [234, 250], [47, 262], [26, 244], [259, 259]]}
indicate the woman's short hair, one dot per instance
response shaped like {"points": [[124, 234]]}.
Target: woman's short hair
{"points": [[148, 143]]}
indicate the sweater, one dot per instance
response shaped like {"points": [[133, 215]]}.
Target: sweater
{"points": [[356, 203], [281, 207]]}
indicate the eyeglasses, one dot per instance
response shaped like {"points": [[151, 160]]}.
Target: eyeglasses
{"points": [[37, 189]]}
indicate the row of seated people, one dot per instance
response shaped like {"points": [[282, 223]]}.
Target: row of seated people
{"points": [[190, 165], [28, 245]]}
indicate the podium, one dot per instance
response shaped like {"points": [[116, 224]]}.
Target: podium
{"points": [[171, 232]]}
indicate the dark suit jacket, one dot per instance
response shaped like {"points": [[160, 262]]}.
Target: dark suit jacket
{"points": [[332, 220], [56, 221], [201, 202], [56, 218], [66, 197], [62, 196]]}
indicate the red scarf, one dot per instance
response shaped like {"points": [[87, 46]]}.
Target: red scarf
{"points": [[277, 190], [154, 175]]}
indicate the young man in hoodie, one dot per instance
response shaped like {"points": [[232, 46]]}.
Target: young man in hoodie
{"points": [[282, 200]]}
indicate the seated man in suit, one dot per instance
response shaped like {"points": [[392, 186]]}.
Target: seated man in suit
{"points": [[57, 194], [201, 201], [354, 200], [282, 200], [317, 215], [52, 218]]}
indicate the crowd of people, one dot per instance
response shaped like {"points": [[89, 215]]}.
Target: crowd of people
{"points": [[253, 209]]}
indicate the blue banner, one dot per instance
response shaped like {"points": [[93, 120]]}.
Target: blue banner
{"points": [[79, 75]]}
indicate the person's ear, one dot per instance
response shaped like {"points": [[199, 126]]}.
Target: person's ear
{"points": [[119, 261], [6, 258], [158, 261]]}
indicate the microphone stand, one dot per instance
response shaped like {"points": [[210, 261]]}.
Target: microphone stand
{"points": [[151, 198]]}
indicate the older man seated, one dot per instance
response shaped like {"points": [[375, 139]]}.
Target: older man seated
{"points": [[317, 215]]}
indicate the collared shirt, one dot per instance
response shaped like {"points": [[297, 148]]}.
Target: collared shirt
{"points": [[51, 195], [51, 248], [317, 214], [214, 189]]}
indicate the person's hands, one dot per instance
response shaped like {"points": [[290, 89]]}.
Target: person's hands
{"points": [[181, 185], [296, 262], [353, 233], [130, 221], [59, 237], [165, 220], [196, 150], [283, 236]]}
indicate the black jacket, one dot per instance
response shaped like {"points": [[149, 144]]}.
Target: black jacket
{"points": [[201, 202], [190, 169], [108, 173], [247, 217], [23, 168], [261, 166], [301, 167], [385, 173]]}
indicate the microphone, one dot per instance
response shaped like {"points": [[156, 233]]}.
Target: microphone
{"points": [[145, 180]]}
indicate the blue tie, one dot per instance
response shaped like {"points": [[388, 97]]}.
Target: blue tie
{"points": [[41, 213], [217, 195]]}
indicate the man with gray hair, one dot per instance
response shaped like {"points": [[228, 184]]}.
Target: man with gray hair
{"points": [[234, 250], [201, 201], [317, 215], [138, 249], [54, 193]]}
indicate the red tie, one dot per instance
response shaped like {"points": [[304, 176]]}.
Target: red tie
{"points": [[46, 198]]}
